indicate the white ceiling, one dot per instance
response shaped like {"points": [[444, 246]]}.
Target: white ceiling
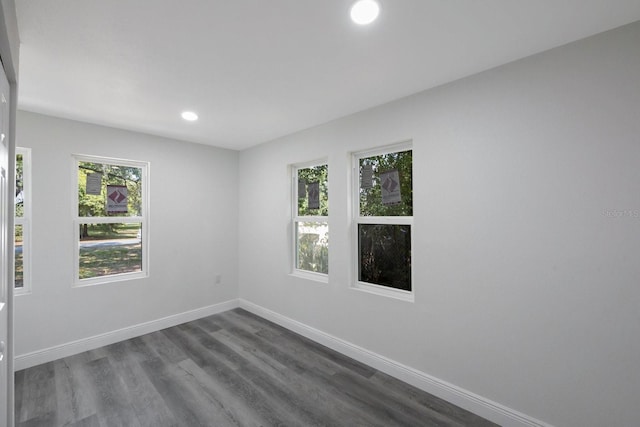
{"points": [[255, 70]]}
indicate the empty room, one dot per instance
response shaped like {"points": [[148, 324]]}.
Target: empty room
{"points": [[320, 213]]}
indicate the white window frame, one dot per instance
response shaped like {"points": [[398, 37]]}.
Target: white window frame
{"points": [[25, 222], [296, 218], [356, 284], [78, 220]]}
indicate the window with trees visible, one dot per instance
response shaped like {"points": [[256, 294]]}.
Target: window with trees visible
{"points": [[310, 219], [111, 219], [22, 229], [383, 207]]}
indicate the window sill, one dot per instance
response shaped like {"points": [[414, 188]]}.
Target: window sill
{"points": [[383, 291], [310, 275], [109, 279]]}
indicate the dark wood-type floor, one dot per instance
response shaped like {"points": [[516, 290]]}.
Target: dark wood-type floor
{"points": [[231, 369]]}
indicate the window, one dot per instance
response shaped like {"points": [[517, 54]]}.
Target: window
{"points": [[111, 219], [383, 207], [310, 220], [22, 228]]}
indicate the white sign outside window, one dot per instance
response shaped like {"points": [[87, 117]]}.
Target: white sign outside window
{"points": [[366, 180], [94, 184], [390, 186], [313, 190], [117, 199], [302, 189]]}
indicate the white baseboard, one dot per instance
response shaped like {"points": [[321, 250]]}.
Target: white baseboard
{"points": [[465, 399], [28, 360]]}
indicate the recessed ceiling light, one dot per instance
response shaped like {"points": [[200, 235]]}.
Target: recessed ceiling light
{"points": [[364, 12], [190, 116]]}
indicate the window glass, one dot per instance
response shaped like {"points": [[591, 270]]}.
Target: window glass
{"points": [[22, 220], [312, 240], [384, 216], [312, 180], [19, 202], [377, 176], [385, 255], [109, 190], [111, 219], [110, 249], [311, 228], [19, 257]]}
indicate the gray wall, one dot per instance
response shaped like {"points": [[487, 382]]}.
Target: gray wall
{"points": [[193, 233], [527, 217]]}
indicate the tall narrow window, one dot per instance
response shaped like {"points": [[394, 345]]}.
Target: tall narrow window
{"points": [[310, 220], [22, 229], [383, 206], [111, 219]]}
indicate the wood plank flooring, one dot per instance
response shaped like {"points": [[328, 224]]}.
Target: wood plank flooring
{"points": [[231, 369]]}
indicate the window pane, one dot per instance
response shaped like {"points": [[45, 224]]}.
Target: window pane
{"points": [[109, 190], [312, 246], [310, 181], [385, 185], [19, 258], [107, 249], [19, 186], [385, 255]]}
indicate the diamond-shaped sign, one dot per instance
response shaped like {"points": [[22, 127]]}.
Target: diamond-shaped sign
{"points": [[117, 196], [390, 187]]}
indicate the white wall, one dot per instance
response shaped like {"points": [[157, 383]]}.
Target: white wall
{"points": [[527, 225], [193, 234]]}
